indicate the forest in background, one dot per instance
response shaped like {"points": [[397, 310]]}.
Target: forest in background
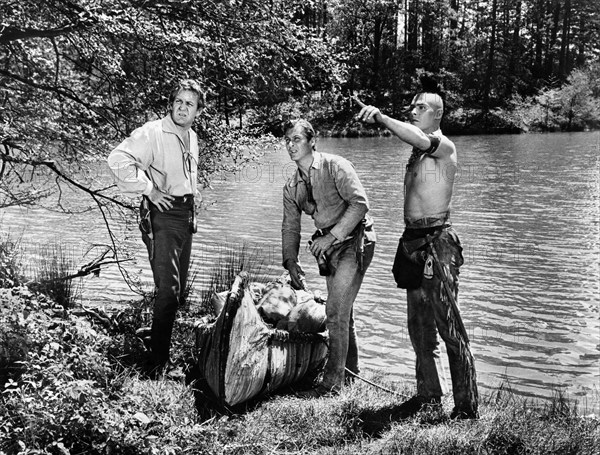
{"points": [[531, 64], [77, 76]]}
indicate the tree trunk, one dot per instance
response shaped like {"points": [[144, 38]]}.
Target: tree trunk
{"points": [[553, 34], [376, 51], [563, 62], [430, 45], [487, 88], [539, 39], [453, 19], [453, 61], [515, 53], [581, 43], [413, 25]]}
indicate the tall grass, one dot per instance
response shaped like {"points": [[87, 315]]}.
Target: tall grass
{"points": [[48, 273], [10, 261], [51, 270], [232, 260]]}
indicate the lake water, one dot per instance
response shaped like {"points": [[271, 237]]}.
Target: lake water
{"points": [[526, 208]]}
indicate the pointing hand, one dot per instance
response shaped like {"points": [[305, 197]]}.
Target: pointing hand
{"points": [[368, 114]]}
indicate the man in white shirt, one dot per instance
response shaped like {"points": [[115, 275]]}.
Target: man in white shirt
{"points": [[159, 161]]}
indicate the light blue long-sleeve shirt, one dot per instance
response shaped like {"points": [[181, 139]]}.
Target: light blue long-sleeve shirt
{"points": [[340, 201]]}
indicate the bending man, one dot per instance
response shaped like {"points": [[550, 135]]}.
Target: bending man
{"points": [[327, 188]]}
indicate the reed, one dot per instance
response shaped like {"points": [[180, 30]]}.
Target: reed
{"points": [[190, 295], [233, 259], [51, 272], [10, 260]]}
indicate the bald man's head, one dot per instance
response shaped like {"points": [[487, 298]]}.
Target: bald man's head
{"points": [[427, 102], [432, 99]]}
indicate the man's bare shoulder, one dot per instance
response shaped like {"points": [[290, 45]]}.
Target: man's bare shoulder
{"points": [[446, 149]]}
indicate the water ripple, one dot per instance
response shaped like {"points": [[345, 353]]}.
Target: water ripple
{"points": [[525, 208]]}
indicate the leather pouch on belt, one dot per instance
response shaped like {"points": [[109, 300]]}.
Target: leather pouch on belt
{"points": [[409, 263]]}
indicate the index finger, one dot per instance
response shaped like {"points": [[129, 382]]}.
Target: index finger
{"points": [[359, 102]]}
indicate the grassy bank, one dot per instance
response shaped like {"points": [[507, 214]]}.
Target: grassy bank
{"points": [[71, 383], [70, 386]]}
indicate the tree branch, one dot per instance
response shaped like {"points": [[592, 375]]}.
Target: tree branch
{"points": [[87, 270], [61, 91], [9, 34], [52, 166]]}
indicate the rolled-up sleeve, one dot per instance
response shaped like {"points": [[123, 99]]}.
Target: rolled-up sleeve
{"points": [[291, 226], [129, 160], [351, 191]]}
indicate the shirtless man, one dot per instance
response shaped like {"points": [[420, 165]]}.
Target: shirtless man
{"points": [[429, 256]]}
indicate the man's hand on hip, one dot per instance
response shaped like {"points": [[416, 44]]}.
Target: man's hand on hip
{"points": [[160, 199]]}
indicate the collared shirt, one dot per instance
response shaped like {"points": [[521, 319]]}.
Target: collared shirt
{"points": [[338, 200], [155, 155]]}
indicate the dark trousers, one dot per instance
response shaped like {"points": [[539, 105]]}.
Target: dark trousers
{"points": [[170, 263]]}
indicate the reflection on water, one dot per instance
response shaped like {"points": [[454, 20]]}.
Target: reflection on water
{"points": [[525, 207]]}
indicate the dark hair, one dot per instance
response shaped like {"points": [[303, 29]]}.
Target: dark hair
{"points": [[430, 85], [192, 86], [305, 125]]}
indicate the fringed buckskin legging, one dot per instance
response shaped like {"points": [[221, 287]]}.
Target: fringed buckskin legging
{"points": [[430, 312]]}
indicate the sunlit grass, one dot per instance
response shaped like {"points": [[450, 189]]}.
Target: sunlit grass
{"points": [[357, 422]]}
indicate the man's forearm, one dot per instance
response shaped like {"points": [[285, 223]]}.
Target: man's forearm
{"points": [[405, 131], [353, 215], [290, 246], [129, 178]]}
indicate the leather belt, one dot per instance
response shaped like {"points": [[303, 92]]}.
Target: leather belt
{"points": [[183, 199]]}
